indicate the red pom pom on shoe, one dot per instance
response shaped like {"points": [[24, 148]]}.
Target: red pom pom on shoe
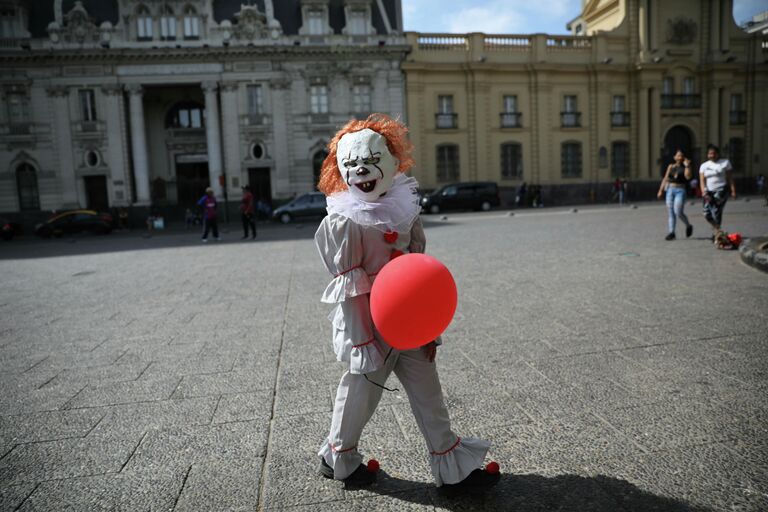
{"points": [[390, 237], [492, 468], [373, 466]]}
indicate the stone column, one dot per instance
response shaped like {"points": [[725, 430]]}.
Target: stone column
{"points": [[139, 144], [643, 141], [231, 132], [64, 145], [212, 136], [281, 116], [113, 94]]}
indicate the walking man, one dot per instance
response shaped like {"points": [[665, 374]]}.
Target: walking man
{"points": [[248, 213]]}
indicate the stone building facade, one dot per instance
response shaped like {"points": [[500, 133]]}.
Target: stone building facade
{"points": [[573, 113], [117, 103]]}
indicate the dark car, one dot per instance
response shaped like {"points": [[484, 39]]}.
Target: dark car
{"points": [[75, 221], [9, 229], [474, 195], [307, 205]]}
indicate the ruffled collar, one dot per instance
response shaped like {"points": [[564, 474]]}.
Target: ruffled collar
{"points": [[396, 211]]}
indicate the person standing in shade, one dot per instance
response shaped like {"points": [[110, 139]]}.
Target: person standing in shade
{"points": [[248, 213], [210, 221], [715, 175], [675, 182]]}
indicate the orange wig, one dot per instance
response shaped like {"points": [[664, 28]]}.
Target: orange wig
{"points": [[398, 144]]}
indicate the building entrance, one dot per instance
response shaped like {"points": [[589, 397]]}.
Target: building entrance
{"points": [[678, 137], [96, 193], [191, 181], [261, 184]]}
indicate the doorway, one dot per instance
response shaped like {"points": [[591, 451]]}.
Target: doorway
{"points": [[261, 184], [191, 181], [317, 164], [96, 193], [678, 137]]}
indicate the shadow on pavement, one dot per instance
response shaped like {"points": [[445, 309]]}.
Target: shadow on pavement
{"points": [[536, 493]]}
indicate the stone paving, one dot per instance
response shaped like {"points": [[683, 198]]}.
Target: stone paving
{"points": [[611, 369]]}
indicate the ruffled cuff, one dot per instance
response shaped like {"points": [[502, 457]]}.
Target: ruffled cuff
{"points": [[357, 347], [343, 461], [455, 464], [350, 283]]}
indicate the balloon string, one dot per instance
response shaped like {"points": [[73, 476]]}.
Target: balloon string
{"points": [[376, 383]]}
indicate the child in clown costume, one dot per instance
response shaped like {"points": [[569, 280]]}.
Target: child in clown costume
{"points": [[373, 216]]}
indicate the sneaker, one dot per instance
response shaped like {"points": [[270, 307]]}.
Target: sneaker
{"points": [[478, 481], [670, 236], [361, 477], [688, 230], [205, 240], [218, 239]]}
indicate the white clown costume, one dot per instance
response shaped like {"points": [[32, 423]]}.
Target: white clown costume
{"points": [[373, 219]]}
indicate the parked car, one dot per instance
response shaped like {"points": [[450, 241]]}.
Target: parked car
{"points": [[304, 206], [75, 221], [475, 195], [9, 229]]}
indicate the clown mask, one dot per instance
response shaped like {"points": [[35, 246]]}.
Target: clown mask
{"points": [[365, 164]]}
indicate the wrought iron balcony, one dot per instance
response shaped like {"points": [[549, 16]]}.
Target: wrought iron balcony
{"points": [[738, 116], [511, 120], [619, 118], [570, 119], [681, 101], [446, 121]]}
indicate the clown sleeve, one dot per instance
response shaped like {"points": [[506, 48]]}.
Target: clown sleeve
{"points": [[339, 242]]}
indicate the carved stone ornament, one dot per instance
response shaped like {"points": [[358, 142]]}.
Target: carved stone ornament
{"points": [[79, 27], [681, 30], [250, 24]]}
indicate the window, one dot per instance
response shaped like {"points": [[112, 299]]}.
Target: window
{"points": [[255, 100], [736, 102], [356, 24], [257, 150], [92, 158], [668, 85], [318, 99], [511, 161], [191, 23], [143, 24], [620, 159], [510, 117], [510, 104], [7, 22], [570, 159], [619, 115], [361, 98], [447, 162], [570, 116], [736, 154], [738, 114], [167, 24], [569, 104], [445, 117], [18, 108], [619, 104], [186, 115], [26, 183], [88, 104], [688, 85], [315, 22]]}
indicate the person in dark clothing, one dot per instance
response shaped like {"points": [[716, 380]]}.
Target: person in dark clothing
{"points": [[248, 212], [210, 221]]}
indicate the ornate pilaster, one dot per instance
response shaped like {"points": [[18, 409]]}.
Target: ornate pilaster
{"points": [[63, 131], [213, 135], [139, 143], [231, 131]]}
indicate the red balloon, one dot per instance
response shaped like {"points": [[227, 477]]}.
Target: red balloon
{"points": [[413, 300]]}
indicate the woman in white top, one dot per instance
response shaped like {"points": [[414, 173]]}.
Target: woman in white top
{"points": [[715, 174]]}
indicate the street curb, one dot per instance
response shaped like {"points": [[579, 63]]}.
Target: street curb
{"points": [[752, 255]]}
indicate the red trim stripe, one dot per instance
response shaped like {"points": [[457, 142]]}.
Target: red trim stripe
{"points": [[348, 270], [363, 344], [458, 440], [336, 450]]}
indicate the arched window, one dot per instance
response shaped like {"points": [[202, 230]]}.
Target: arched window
{"points": [[191, 23], [447, 162], [143, 24], [620, 159], [186, 114], [317, 164], [570, 159], [26, 183], [167, 24], [511, 161]]}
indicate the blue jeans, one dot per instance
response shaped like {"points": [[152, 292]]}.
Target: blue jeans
{"points": [[675, 204]]}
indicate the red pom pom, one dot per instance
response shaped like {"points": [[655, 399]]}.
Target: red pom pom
{"points": [[390, 237], [373, 466], [492, 468], [395, 254]]}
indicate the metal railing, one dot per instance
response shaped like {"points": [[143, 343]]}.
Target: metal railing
{"points": [[570, 119], [511, 120], [446, 121], [738, 117], [681, 101], [619, 118]]}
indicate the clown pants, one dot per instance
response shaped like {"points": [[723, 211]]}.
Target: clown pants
{"points": [[451, 458]]}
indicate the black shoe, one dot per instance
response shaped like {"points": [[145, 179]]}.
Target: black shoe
{"points": [[243, 237], [361, 477], [477, 482], [670, 236], [688, 230]]}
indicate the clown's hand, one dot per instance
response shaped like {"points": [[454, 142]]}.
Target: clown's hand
{"points": [[430, 349]]}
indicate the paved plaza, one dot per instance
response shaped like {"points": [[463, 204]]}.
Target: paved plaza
{"points": [[612, 370]]}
